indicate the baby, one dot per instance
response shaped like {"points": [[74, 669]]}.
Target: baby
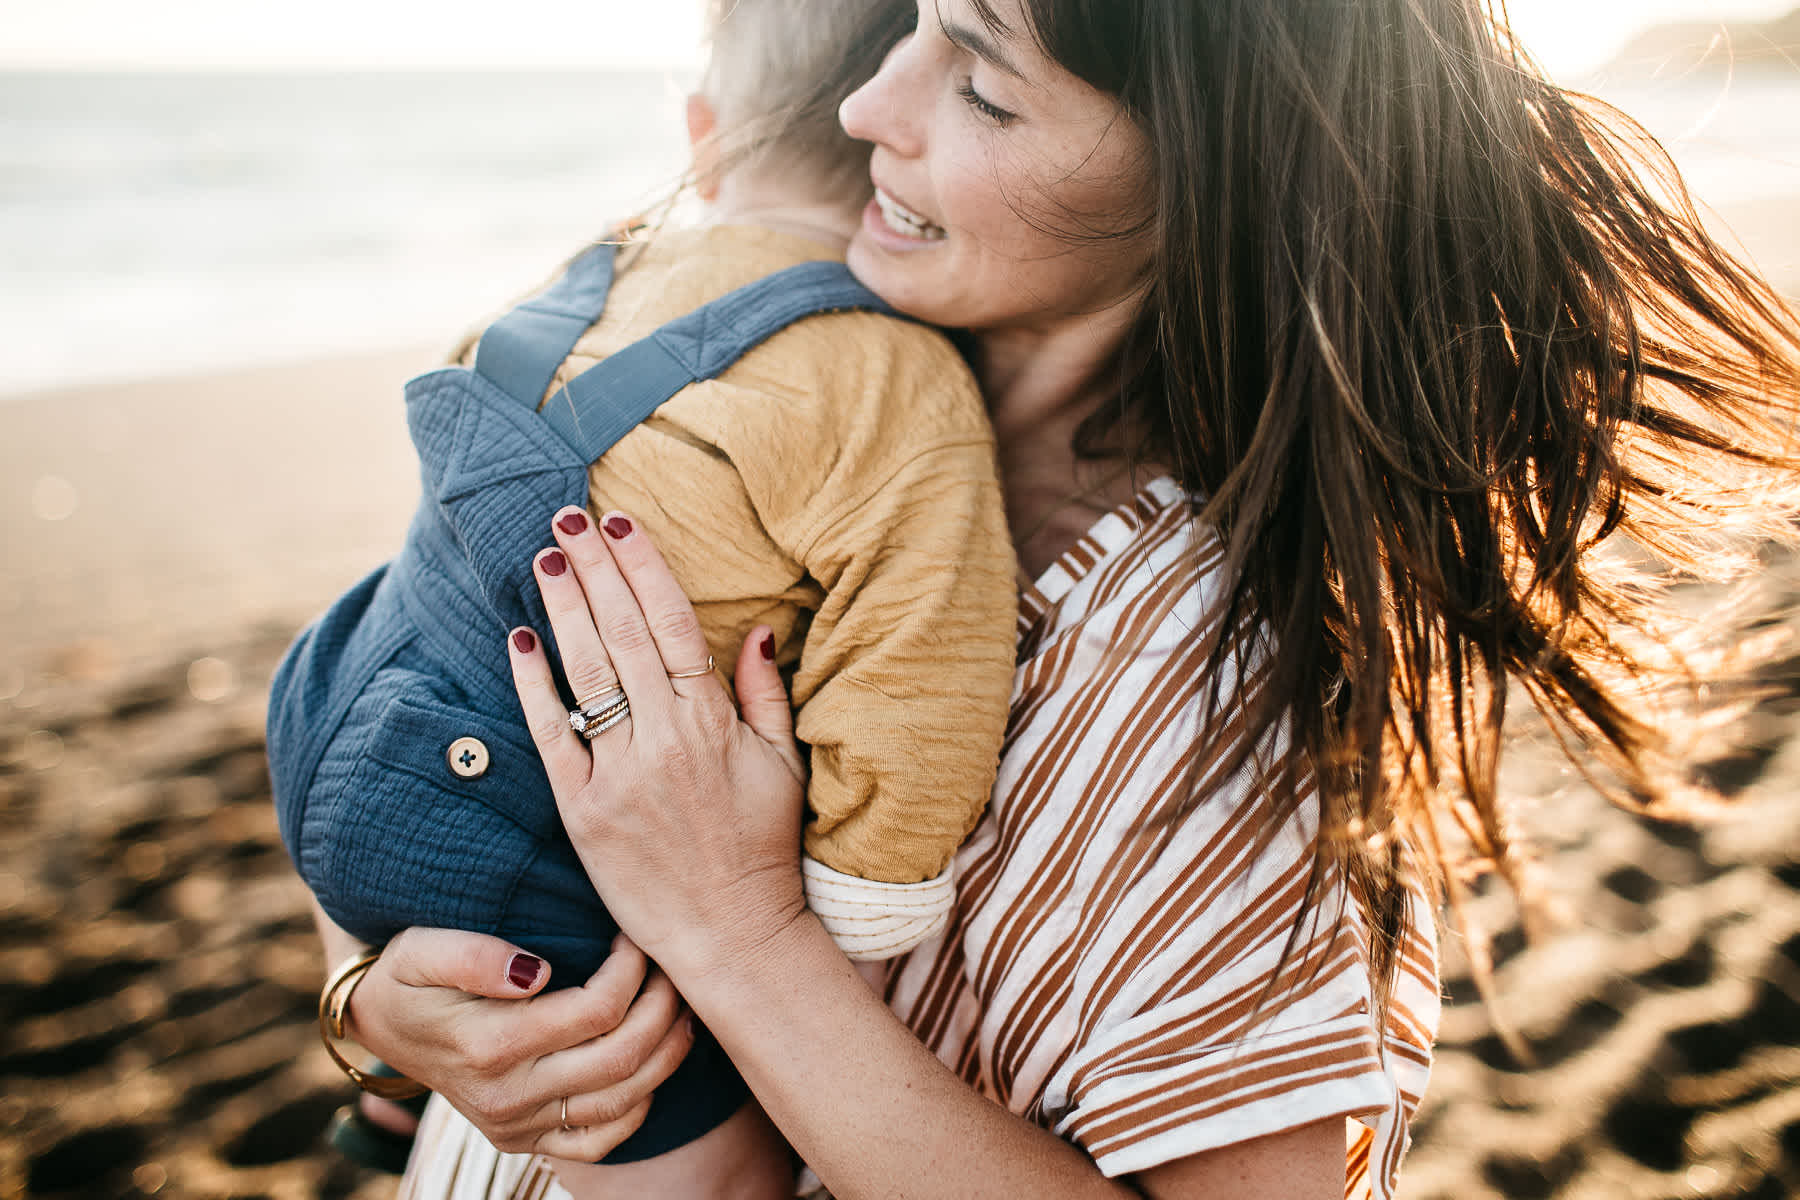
{"points": [[832, 477]]}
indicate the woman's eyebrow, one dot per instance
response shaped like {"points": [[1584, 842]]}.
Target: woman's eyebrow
{"points": [[981, 46]]}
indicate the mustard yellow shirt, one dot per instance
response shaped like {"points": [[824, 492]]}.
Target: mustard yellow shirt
{"points": [[837, 483]]}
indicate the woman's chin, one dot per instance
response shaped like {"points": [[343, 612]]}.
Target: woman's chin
{"points": [[900, 287]]}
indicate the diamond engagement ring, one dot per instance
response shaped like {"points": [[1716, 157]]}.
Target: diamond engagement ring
{"points": [[601, 714]]}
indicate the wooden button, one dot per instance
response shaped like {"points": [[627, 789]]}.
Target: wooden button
{"points": [[468, 757]]}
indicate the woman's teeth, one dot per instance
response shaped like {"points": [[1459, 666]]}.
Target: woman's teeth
{"points": [[904, 221]]}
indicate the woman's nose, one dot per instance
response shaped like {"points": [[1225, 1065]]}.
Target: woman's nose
{"points": [[884, 109]]}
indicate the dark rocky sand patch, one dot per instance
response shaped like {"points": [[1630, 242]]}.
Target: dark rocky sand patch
{"points": [[158, 972]]}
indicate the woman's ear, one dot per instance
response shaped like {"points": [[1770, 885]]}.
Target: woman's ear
{"points": [[702, 128]]}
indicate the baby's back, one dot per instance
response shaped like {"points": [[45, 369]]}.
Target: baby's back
{"points": [[837, 484], [737, 478]]}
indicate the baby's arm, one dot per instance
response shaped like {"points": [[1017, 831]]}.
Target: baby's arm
{"points": [[902, 693]]}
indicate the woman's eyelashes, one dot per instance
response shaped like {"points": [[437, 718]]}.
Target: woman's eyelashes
{"points": [[986, 108]]}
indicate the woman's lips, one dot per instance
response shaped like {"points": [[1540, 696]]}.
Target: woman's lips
{"points": [[903, 221]]}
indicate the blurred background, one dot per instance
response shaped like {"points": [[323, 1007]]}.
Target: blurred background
{"points": [[229, 232]]}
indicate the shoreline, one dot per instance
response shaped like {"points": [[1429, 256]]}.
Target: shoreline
{"points": [[161, 377]]}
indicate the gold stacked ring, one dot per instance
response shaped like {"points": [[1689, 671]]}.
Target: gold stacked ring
{"points": [[603, 698], [595, 717], [696, 672]]}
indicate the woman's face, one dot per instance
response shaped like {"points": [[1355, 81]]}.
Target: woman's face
{"points": [[994, 167]]}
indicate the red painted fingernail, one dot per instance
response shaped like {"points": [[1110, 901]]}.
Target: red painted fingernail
{"points": [[572, 523], [554, 563], [524, 641], [617, 528], [523, 970], [768, 647]]}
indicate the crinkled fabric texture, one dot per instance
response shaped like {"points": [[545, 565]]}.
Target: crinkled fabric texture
{"points": [[839, 485]]}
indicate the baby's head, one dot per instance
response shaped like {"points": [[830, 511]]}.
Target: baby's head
{"points": [[777, 71]]}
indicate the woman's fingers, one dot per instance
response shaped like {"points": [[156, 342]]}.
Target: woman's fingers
{"points": [[585, 662], [763, 698], [601, 1117], [600, 1007], [680, 644], [565, 755], [474, 963], [591, 1143], [459, 1011], [609, 1059], [464, 966], [613, 610], [601, 1088], [666, 1053]]}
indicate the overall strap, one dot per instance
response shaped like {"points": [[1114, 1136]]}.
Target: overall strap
{"points": [[607, 401], [520, 352]]}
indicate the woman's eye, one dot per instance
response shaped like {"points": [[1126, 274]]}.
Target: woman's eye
{"points": [[992, 112]]}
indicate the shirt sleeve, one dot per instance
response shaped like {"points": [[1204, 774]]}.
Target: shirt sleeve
{"points": [[865, 449], [905, 673], [871, 920], [1217, 1037]]}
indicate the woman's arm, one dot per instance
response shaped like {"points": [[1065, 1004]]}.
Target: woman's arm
{"points": [[687, 819], [867, 1105], [461, 1013], [337, 942]]}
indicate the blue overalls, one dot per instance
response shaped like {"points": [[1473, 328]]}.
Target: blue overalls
{"points": [[405, 781]]}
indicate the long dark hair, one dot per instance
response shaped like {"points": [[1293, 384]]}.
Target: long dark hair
{"points": [[1434, 341]]}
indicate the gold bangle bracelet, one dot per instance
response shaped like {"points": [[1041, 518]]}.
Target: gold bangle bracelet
{"points": [[334, 1000]]}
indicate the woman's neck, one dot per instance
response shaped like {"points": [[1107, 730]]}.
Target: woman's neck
{"points": [[1040, 386]]}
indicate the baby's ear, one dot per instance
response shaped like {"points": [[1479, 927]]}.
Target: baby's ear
{"points": [[702, 126]]}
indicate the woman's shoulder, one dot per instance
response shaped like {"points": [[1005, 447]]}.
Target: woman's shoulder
{"points": [[1142, 576]]}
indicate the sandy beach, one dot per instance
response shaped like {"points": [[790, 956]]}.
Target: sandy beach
{"points": [[158, 974], [162, 542], [179, 510]]}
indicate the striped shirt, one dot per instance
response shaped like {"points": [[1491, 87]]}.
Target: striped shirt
{"points": [[1107, 974]]}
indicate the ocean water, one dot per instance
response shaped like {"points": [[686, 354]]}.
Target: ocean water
{"points": [[159, 223], [1736, 139]]}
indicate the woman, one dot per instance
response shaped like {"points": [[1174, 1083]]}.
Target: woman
{"points": [[1366, 346]]}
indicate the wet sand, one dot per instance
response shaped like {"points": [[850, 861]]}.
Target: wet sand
{"points": [[179, 510]]}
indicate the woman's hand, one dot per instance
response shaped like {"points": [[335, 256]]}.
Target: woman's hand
{"points": [[460, 1012], [686, 818]]}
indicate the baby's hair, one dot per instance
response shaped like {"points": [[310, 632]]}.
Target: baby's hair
{"points": [[777, 71]]}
